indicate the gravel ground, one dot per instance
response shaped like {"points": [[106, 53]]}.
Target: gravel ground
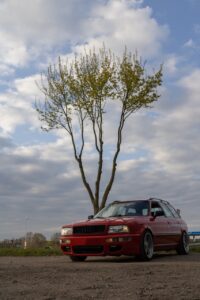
{"points": [[165, 277]]}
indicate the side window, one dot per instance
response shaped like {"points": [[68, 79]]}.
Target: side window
{"points": [[174, 212], [167, 211], [145, 212], [145, 208], [142, 208], [155, 206]]}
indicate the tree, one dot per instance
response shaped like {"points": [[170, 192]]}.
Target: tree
{"points": [[55, 238], [80, 88], [38, 240]]}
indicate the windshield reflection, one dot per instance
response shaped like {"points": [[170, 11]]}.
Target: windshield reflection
{"points": [[128, 209]]}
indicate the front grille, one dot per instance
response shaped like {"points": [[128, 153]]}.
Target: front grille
{"points": [[93, 249], [89, 229]]}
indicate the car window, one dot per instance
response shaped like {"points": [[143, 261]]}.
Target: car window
{"points": [[118, 209], [139, 209], [155, 206], [121, 211], [107, 211], [167, 211], [174, 212], [131, 211], [145, 211]]}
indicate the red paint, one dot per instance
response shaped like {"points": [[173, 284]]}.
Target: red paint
{"points": [[166, 232]]}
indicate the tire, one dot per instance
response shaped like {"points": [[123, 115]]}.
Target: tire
{"points": [[78, 258], [147, 246], [183, 247]]}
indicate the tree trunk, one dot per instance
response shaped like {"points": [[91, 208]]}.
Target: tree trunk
{"points": [[96, 207]]}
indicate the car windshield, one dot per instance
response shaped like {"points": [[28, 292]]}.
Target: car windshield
{"points": [[119, 209]]}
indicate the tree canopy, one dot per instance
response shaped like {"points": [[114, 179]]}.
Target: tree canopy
{"points": [[80, 88]]}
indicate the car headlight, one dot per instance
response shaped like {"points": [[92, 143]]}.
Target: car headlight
{"points": [[66, 231], [118, 229]]}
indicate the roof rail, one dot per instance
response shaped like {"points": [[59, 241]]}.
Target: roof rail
{"points": [[116, 201], [158, 199]]}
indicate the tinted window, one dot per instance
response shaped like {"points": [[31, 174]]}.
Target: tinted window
{"points": [[155, 206]]}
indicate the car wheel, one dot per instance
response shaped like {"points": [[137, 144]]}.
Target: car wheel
{"points": [[183, 247], [78, 258], [147, 247]]}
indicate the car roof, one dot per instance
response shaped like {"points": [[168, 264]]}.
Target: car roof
{"points": [[138, 200], [126, 201]]}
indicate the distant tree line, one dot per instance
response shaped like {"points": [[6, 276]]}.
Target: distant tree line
{"points": [[31, 240], [12, 243]]}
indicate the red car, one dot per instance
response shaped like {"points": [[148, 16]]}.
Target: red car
{"points": [[127, 228]]}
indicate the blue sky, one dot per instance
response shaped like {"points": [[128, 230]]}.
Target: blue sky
{"points": [[182, 18], [40, 186]]}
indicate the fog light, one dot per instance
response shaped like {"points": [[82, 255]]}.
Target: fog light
{"points": [[125, 239], [110, 240], [119, 239]]}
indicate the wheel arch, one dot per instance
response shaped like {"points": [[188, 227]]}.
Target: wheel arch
{"points": [[147, 228]]}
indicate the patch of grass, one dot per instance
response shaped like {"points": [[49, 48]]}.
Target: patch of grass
{"points": [[50, 251], [195, 248]]}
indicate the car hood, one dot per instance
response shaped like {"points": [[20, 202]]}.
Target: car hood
{"points": [[108, 221]]}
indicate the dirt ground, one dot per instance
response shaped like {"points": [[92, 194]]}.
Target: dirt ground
{"points": [[166, 277]]}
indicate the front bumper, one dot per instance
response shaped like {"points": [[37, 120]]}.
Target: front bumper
{"points": [[111, 244]]}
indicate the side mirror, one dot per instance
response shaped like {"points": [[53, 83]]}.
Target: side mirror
{"points": [[178, 212], [90, 217]]}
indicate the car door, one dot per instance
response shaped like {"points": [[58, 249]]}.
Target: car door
{"points": [[159, 225], [173, 222]]}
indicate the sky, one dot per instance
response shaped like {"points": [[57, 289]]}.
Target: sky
{"points": [[40, 185]]}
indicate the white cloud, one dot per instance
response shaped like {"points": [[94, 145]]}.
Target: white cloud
{"points": [[191, 83], [117, 23], [29, 30], [16, 105], [190, 110], [6, 70], [44, 21], [13, 53], [190, 44], [27, 87], [120, 23], [171, 64]]}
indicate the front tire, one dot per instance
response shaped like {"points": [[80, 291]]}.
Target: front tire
{"points": [[147, 246], [183, 247]]}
